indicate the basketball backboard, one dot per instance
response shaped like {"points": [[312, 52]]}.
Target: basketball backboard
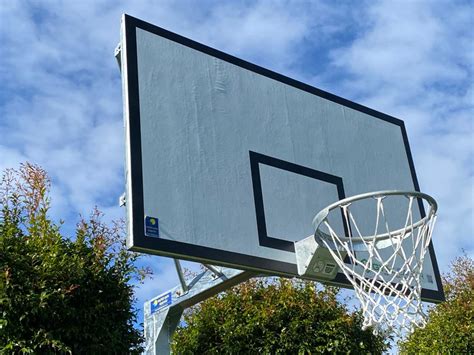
{"points": [[228, 162]]}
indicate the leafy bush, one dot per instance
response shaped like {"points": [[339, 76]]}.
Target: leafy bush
{"points": [[58, 294], [270, 318], [450, 328]]}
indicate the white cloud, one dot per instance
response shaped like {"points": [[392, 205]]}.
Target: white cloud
{"points": [[407, 46]]}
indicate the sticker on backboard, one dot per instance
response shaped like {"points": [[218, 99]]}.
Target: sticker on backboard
{"points": [[160, 302], [152, 228]]}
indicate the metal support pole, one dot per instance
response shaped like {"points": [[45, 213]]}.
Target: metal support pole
{"points": [[213, 269], [182, 280]]}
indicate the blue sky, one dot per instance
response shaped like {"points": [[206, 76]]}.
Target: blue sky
{"points": [[61, 104]]}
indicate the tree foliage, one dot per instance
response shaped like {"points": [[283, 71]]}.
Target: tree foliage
{"points": [[58, 294], [289, 317], [450, 328]]}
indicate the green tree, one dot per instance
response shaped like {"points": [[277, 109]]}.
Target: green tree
{"points": [[283, 317], [450, 327], [60, 295]]}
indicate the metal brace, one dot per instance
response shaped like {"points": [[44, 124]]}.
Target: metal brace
{"points": [[117, 55], [180, 273], [123, 200], [217, 273]]}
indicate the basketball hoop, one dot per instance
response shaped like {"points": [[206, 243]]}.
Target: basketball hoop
{"points": [[387, 280]]}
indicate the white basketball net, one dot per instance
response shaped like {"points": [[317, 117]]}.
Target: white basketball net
{"points": [[387, 283]]}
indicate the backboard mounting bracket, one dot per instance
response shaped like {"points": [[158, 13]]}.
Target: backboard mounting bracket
{"points": [[118, 54], [123, 200], [314, 260]]}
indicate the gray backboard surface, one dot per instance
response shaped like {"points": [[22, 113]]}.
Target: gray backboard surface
{"points": [[233, 160]]}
